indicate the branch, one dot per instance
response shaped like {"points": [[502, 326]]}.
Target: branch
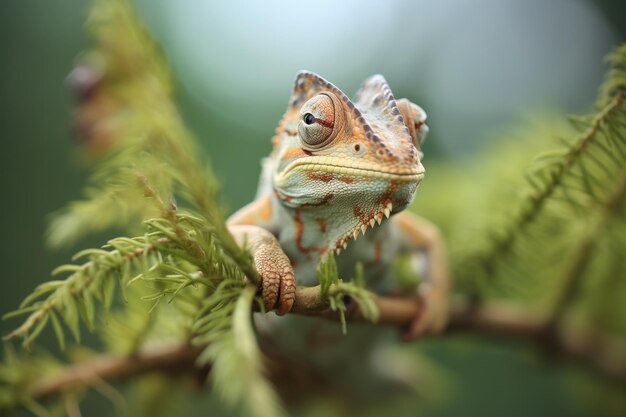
{"points": [[600, 352], [172, 359]]}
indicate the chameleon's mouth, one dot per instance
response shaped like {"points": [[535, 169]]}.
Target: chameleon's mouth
{"points": [[336, 165]]}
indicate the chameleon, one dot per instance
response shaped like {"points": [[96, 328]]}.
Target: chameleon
{"points": [[338, 178]]}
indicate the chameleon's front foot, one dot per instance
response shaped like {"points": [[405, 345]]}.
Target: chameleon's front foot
{"points": [[433, 313], [278, 285]]}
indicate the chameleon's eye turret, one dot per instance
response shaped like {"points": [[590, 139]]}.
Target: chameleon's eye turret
{"points": [[415, 120], [321, 119]]}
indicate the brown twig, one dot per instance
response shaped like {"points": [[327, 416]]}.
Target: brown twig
{"points": [[602, 353], [171, 359]]}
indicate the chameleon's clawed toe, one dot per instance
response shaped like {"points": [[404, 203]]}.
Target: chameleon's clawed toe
{"points": [[287, 292], [278, 285], [433, 314]]}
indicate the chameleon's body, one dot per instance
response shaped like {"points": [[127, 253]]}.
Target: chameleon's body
{"points": [[338, 170]]}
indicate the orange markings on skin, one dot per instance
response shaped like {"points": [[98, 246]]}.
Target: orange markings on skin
{"points": [[357, 134], [324, 201], [300, 232], [297, 218], [322, 224], [278, 133], [386, 197], [293, 153], [405, 225], [258, 212], [360, 215], [347, 180], [320, 176], [266, 209], [340, 242], [285, 198], [326, 124], [275, 142]]}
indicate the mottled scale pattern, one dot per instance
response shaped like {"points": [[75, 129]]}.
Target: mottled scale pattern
{"points": [[339, 171]]}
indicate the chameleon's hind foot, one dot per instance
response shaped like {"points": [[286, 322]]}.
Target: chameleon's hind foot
{"points": [[433, 313]]}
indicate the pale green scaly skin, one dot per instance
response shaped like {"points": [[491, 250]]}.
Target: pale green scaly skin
{"points": [[339, 169]]}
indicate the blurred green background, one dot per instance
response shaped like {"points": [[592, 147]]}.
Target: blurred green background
{"points": [[476, 67]]}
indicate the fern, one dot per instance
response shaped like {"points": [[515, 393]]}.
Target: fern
{"points": [[129, 89], [146, 142], [182, 259], [172, 257], [338, 292], [224, 326], [572, 205]]}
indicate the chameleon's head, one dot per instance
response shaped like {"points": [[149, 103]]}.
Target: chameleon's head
{"points": [[344, 164]]}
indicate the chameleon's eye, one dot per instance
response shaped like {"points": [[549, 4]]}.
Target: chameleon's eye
{"points": [[321, 121], [308, 119]]}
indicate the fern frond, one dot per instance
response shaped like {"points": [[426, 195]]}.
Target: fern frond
{"points": [[179, 260], [225, 326], [557, 242], [74, 298], [599, 232], [338, 292], [131, 106], [575, 179], [187, 269], [123, 115], [136, 325], [615, 84], [170, 257]]}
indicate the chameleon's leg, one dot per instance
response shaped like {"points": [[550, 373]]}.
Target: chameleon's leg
{"points": [[278, 286], [434, 293]]}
